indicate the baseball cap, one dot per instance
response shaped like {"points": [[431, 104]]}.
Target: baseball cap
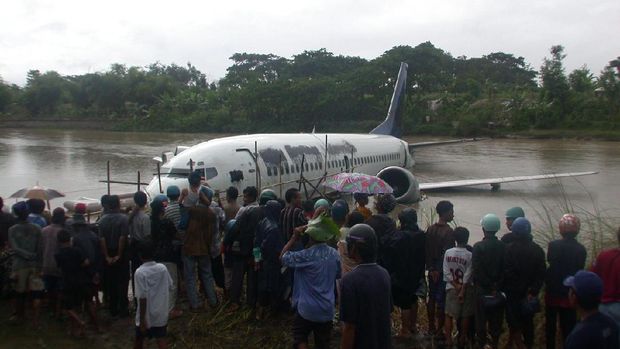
{"points": [[586, 284]]}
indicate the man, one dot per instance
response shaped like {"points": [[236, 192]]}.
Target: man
{"points": [[292, 215], [173, 209], [488, 263], [316, 269], [383, 225], [37, 206], [269, 243], [457, 270], [7, 220], [153, 285], [403, 258], [201, 228], [607, 266], [113, 237], [596, 330], [77, 284], [365, 304], [231, 207], [524, 274], [241, 246], [87, 242], [50, 272], [439, 238], [164, 235], [25, 242], [565, 256], [512, 214]]}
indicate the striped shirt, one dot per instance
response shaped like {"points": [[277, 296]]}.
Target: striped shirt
{"points": [[291, 218], [173, 213]]}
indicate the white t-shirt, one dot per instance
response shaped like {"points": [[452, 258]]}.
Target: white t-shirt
{"points": [[457, 266], [153, 282]]}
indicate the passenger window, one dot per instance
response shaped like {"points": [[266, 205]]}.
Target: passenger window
{"points": [[269, 171], [306, 165], [320, 166], [297, 167], [275, 171]]}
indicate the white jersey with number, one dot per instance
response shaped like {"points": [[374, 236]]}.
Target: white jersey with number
{"points": [[457, 266]]}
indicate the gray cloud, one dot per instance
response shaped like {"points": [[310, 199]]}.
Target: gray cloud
{"points": [[73, 37]]}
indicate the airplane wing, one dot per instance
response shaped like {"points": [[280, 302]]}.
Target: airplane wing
{"points": [[413, 146], [494, 182]]}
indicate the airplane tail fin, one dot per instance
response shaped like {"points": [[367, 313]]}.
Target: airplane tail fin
{"points": [[392, 125]]}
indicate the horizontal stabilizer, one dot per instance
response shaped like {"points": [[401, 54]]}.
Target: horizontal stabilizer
{"points": [[495, 181]]}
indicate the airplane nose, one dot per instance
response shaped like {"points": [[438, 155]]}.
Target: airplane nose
{"points": [[152, 190]]}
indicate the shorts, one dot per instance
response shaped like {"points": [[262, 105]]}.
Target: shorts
{"points": [[302, 328], [27, 280], [152, 332], [402, 298], [458, 310], [52, 283], [437, 292], [74, 297]]}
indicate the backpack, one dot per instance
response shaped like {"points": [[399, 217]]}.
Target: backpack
{"points": [[243, 242]]}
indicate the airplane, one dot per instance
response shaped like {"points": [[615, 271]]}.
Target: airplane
{"points": [[285, 160]]}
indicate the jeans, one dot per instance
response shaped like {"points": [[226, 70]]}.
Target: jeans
{"points": [[568, 319], [116, 284], [491, 317], [204, 272], [241, 266]]}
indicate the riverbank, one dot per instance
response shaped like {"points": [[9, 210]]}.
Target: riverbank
{"points": [[121, 126]]}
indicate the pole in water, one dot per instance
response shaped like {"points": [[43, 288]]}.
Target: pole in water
{"points": [[138, 180], [108, 172], [161, 191]]}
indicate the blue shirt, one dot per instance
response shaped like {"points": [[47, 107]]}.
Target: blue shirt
{"points": [[316, 270]]}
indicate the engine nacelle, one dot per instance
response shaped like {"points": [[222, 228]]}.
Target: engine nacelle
{"points": [[405, 185]]}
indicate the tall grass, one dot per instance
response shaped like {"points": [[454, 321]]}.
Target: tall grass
{"points": [[598, 227]]}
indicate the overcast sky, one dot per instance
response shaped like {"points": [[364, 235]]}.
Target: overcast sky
{"points": [[77, 37]]}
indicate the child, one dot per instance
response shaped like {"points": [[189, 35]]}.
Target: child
{"points": [[457, 272], [153, 284], [77, 285]]}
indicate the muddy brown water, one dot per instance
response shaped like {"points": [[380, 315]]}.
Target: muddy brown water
{"points": [[73, 161]]}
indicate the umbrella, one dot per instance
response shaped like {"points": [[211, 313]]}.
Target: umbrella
{"points": [[38, 192], [358, 183]]}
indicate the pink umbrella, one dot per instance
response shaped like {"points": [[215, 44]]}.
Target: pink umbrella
{"points": [[358, 183]]}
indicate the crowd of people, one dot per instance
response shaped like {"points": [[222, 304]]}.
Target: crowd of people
{"points": [[334, 267]]}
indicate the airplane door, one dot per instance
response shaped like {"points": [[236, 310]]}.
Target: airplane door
{"points": [[247, 173]]}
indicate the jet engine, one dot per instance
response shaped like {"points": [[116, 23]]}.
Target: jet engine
{"points": [[405, 185]]}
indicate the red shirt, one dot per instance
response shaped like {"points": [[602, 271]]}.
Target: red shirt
{"points": [[607, 266]]}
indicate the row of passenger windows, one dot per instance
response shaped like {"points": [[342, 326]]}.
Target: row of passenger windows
{"points": [[341, 163]]}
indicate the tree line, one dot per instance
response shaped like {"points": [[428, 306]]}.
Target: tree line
{"points": [[331, 93]]}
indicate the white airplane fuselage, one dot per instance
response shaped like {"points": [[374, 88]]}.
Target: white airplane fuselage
{"points": [[231, 161]]}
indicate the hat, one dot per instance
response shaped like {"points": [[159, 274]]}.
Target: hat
{"points": [[490, 223], [569, 223], [587, 285], [515, 212], [267, 195], [79, 208], [320, 203], [322, 228], [521, 226]]}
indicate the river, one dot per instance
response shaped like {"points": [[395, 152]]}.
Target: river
{"points": [[73, 161]]}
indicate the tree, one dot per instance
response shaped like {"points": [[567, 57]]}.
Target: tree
{"points": [[581, 80]]}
